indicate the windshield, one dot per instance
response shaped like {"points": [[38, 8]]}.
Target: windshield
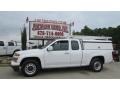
{"points": [[47, 43]]}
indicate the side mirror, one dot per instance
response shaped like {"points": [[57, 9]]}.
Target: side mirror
{"points": [[50, 48]]}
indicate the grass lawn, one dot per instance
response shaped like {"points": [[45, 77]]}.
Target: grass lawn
{"points": [[5, 61]]}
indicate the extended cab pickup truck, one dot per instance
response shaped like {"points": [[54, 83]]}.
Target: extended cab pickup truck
{"points": [[9, 48], [64, 53]]}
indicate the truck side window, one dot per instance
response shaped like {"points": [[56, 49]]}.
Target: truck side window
{"points": [[1, 43], [60, 45], [10, 44], [74, 45]]}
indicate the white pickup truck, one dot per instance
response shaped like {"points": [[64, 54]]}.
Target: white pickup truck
{"points": [[9, 48], [64, 53]]}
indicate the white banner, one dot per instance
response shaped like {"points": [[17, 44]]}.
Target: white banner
{"points": [[47, 29]]}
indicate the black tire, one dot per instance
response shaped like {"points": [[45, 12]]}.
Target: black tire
{"points": [[28, 70], [96, 65]]}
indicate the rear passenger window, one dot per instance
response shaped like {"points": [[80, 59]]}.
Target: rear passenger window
{"points": [[10, 44], [74, 45], [1, 43]]}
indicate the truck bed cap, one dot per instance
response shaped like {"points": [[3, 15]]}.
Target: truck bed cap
{"points": [[101, 41]]}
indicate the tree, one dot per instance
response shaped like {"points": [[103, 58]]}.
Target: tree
{"points": [[86, 31], [116, 35], [113, 32], [24, 39]]}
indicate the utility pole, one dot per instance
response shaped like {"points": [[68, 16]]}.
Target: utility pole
{"points": [[70, 25]]}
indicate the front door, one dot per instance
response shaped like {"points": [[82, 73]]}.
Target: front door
{"points": [[59, 56]]}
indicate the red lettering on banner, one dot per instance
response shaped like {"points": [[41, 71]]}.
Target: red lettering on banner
{"points": [[52, 33], [62, 28], [40, 26], [40, 33], [65, 29], [59, 34]]}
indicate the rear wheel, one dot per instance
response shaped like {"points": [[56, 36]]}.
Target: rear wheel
{"points": [[96, 65], [30, 68]]}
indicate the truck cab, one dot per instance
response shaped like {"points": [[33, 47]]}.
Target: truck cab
{"points": [[8, 48]]}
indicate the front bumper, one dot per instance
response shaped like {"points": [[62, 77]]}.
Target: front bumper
{"points": [[15, 64], [15, 68]]}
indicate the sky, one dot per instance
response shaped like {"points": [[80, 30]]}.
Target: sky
{"points": [[11, 22]]}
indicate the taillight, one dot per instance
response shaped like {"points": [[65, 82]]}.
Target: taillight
{"points": [[115, 55]]}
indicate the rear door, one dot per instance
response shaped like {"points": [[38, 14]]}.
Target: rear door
{"points": [[75, 53], [2, 48]]}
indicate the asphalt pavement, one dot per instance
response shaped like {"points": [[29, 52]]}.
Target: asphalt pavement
{"points": [[110, 71]]}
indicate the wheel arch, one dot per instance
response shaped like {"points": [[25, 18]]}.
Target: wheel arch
{"points": [[32, 58], [15, 51], [100, 57]]}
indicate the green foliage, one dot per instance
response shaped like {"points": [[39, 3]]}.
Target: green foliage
{"points": [[113, 32], [24, 39], [86, 31]]}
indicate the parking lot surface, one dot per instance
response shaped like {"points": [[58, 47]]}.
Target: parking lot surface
{"points": [[110, 71]]}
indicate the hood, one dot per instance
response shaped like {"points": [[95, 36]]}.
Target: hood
{"points": [[32, 51]]}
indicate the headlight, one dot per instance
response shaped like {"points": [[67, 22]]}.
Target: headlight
{"points": [[16, 55]]}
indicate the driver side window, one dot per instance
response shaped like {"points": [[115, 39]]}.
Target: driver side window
{"points": [[60, 45]]}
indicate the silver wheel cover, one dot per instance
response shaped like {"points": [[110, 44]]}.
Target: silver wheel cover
{"points": [[30, 68], [97, 65]]}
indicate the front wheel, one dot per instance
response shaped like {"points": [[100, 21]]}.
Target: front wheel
{"points": [[96, 65], [30, 68]]}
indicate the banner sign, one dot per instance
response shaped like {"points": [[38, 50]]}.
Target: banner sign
{"points": [[47, 29]]}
